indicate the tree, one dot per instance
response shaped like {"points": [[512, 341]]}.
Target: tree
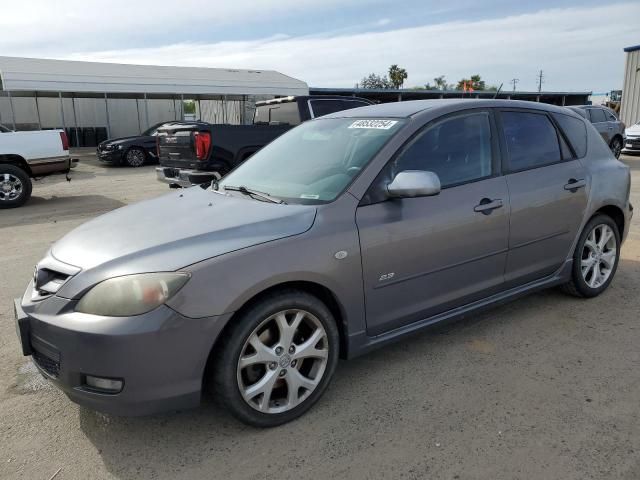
{"points": [[397, 76], [475, 83], [373, 81]]}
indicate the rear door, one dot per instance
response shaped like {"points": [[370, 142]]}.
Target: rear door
{"points": [[423, 256], [547, 187]]}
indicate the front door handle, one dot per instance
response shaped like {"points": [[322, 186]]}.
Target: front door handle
{"points": [[486, 205], [573, 185]]}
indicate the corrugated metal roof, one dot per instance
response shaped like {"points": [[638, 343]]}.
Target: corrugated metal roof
{"points": [[32, 74], [632, 48]]}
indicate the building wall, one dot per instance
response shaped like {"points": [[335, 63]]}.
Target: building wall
{"points": [[630, 106]]}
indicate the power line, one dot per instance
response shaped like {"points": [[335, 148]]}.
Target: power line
{"points": [[514, 82]]}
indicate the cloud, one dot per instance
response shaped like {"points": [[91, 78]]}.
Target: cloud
{"points": [[578, 49]]}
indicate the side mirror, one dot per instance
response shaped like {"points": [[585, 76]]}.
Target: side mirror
{"points": [[414, 183]]}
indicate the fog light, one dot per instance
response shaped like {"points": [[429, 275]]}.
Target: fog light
{"points": [[105, 384]]}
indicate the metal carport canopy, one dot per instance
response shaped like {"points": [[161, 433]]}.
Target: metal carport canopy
{"points": [[43, 75]]}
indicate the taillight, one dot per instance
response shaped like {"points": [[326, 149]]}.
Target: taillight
{"points": [[203, 144], [64, 140]]}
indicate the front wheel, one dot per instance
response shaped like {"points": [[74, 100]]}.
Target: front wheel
{"points": [[595, 259], [135, 157], [15, 186], [277, 359], [616, 146]]}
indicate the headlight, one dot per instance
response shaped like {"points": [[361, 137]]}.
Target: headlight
{"points": [[131, 294]]}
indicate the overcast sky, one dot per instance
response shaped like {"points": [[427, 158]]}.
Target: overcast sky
{"points": [[578, 44]]}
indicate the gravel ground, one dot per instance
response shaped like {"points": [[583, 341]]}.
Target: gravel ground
{"points": [[545, 387]]}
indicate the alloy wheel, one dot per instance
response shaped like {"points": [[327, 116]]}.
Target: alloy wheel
{"points": [[282, 361], [616, 147], [135, 157], [598, 256], [10, 187]]}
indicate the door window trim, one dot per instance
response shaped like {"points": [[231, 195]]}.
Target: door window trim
{"points": [[506, 156]]}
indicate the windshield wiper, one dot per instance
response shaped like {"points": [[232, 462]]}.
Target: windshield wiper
{"points": [[253, 193]]}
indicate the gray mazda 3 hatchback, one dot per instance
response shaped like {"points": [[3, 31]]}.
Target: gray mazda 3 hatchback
{"points": [[348, 232]]}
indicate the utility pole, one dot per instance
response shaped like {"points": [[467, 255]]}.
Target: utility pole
{"points": [[540, 80], [514, 82]]}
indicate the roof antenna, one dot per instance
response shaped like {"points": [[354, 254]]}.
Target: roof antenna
{"points": [[498, 91]]}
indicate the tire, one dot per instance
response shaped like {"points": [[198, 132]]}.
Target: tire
{"points": [[135, 157], [597, 260], [15, 186], [616, 146], [235, 384]]}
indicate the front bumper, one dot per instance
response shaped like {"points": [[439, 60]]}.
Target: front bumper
{"points": [[113, 157], [631, 145], [184, 178], [160, 356]]}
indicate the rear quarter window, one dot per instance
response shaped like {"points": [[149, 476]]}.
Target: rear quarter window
{"points": [[284, 113], [576, 132], [325, 107]]}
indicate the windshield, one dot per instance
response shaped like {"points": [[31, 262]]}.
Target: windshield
{"points": [[315, 162]]}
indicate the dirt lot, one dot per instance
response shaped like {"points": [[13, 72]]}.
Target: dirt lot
{"points": [[546, 387]]}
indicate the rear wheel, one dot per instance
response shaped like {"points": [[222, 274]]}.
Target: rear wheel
{"points": [[595, 259], [277, 359], [15, 186], [616, 146], [135, 157]]}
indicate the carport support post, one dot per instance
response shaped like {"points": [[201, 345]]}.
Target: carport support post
{"points": [[75, 119], [146, 109], [564, 99], [64, 126], [182, 107], [38, 111], [106, 109], [13, 114]]}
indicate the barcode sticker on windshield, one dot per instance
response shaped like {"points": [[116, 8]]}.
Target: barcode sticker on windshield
{"points": [[377, 124]]}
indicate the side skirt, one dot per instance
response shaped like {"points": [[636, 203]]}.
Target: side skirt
{"points": [[360, 343]]}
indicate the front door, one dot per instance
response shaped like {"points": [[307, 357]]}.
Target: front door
{"points": [[423, 256], [547, 188]]}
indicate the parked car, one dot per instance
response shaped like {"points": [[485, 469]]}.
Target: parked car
{"points": [[348, 232], [607, 123], [27, 155], [134, 151], [198, 152], [632, 140]]}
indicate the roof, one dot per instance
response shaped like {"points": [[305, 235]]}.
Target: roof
{"points": [[412, 107], [32, 74], [404, 91], [632, 48]]}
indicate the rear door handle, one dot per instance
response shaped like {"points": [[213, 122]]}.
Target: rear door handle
{"points": [[486, 205], [573, 185]]}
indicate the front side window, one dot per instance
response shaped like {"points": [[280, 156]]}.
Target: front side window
{"points": [[314, 162], [457, 149], [532, 140], [597, 115], [325, 107]]}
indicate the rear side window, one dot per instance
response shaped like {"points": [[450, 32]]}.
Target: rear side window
{"points": [[576, 132], [532, 140], [597, 115], [457, 149], [611, 116], [286, 113], [325, 107]]}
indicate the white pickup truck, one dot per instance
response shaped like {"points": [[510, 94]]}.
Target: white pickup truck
{"points": [[27, 155]]}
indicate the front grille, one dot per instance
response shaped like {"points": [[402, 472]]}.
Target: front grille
{"points": [[47, 364]]}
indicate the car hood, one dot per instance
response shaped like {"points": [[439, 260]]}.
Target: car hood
{"points": [[633, 130], [172, 232]]}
